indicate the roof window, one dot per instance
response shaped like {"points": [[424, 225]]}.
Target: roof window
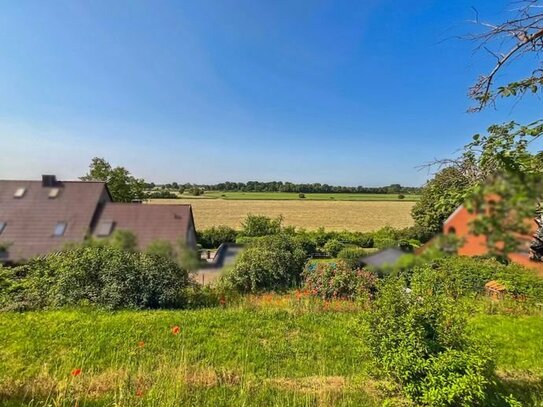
{"points": [[2, 226], [104, 228], [53, 193], [19, 193], [60, 228]]}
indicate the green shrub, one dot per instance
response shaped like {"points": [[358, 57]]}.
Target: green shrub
{"points": [[161, 248], [102, 276], [269, 263], [338, 280], [351, 255], [420, 342], [458, 276], [257, 225], [333, 247], [123, 240], [214, 236]]}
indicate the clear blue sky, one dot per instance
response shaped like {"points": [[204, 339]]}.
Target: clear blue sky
{"points": [[350, 92]]}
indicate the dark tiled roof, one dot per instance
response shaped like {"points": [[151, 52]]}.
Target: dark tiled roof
{"points": [[31, 219], [150, 222], [382, 258]]}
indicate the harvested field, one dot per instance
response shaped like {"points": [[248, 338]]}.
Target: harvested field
{"points": [[360, 216]]}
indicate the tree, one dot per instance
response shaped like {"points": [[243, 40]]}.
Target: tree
{"points": [[512, 40], [440, 197], [257, 225], [121, 184]]}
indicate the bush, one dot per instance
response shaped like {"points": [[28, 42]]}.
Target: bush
{"points": [[458, 276], [420, 342], [301, 195], [333, 247], [351, 255], [161, 248], [123, 240], [401, 196], [338, 280], [269, 263], [257, 226], [214, 236], [104, 276]]}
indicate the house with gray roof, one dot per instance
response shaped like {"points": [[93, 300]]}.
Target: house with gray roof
{"points": [[39, 217]]}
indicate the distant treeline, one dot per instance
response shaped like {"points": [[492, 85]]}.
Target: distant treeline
{"points": [[279, 186]]}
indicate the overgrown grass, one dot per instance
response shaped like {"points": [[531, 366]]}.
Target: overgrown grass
{"points": [[271, 350]]}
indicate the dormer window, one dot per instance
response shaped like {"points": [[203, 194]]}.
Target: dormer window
{"points": [[19, 193], [53, 193], [60, 228], [104, 228]]}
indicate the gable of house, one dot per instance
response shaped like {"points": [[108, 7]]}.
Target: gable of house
{"points": [[149, 223], [458, 224]]}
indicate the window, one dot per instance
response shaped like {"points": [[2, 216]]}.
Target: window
{"points": [[2, 227], [19, 193], [60, 228], [104, 228], [452, 231], [53, 193]]}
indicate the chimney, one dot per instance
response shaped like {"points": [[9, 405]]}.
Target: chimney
{"points": [[48, 180]]}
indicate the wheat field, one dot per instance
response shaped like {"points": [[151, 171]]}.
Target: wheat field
{"points": [[363, 216]]}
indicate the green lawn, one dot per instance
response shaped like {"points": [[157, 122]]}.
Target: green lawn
{"points": [[251, 355], [308, 196]]}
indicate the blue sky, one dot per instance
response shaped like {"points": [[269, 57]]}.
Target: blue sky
{"points": [[351, 92]]}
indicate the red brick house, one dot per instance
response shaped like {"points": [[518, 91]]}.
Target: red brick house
{"points": [[459, 224], [39, 217]]}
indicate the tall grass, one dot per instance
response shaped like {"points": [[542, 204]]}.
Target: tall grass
{"points": [[268, 351]]}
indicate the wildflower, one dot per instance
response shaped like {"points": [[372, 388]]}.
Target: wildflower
{"points": [[139, 393], [76, 372], [141, 344], [176, 330], [222, 301]]}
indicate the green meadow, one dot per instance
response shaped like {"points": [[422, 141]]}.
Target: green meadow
{"points": [[273, 351]]}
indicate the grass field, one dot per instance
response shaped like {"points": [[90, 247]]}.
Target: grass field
{"points": [[271, 351], [363, 216], [272, 196]]}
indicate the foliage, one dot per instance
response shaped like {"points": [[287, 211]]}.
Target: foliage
{"points": [[518, 38], [351, 255], [458, 276], [258, 225], [444, 193], [269, 263], [420, 342], [332, 247], [301, 195], [161, 248], [104, 276], [214, 236], [511, 184], [161, 194], [338, 280], [121, 184], [123, 240]]}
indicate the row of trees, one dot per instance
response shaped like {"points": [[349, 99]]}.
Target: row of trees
{"points": [[279, 186]]}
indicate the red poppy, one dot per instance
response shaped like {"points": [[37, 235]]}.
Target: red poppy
{"points": [[76, 372], [139, 393], [176, 330], [141, 344]]}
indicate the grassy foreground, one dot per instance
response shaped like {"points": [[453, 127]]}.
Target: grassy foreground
{"points": [[270, 352]]}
